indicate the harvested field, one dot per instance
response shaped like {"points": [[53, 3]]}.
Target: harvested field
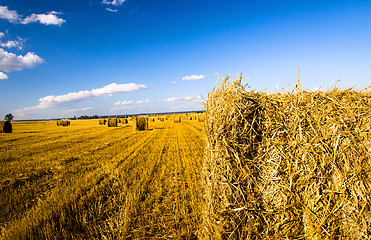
{"points": [[89, 182]]}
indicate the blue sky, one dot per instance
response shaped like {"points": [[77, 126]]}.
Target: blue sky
{"points": [[68, 58]]}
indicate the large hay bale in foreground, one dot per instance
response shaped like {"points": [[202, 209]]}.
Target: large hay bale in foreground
{"points": [[112, 122], [141, 123], [291, 165], [6, 127]]}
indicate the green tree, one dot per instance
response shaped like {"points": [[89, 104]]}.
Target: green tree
{"points": [[9, 117]]}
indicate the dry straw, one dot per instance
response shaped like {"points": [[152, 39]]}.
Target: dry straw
{"points": [[290, 165], [141, 123], [5, 127], [124, 121], [112, 122], [102, 122]]}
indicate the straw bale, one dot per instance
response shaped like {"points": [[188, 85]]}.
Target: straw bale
{"points": [[177, 119], [112, 122], [141, 123], [287, 165], [63, 123], [6, 127], [124, 121], [102, 122]]}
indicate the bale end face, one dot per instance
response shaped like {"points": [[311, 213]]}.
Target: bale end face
{"points": [[6, 127]]}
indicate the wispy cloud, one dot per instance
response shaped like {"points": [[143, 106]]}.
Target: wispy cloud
{"points": [[75, 97], [173, 82], [78, 110], [131, 102], [13, 44], [113, 2], [49, 18], [111, 10], [11, 62], [193, 77], [142, 101], [3, 76], [173, 99]]}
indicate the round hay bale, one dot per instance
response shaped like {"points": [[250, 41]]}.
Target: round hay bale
{"points": [[112, 122], [141, 123], [177, 119], [5, 127]]}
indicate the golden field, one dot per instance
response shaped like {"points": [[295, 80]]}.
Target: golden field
{"points": [[90, 181]]}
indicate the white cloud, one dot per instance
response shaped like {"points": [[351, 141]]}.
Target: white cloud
{"points": [[78, 110], [173, 82], [193, 77], [11, 62], [142, 101], [74, 97], [10, 15], [2, 35], [13, 44], [50, 18], [3, 76], [124, 103], [131, 102], [111, 10], [113, 2], [173, 99]]}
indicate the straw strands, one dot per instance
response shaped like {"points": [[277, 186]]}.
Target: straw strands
{"points": [[5, 127], [287, 165], [141, 123]]}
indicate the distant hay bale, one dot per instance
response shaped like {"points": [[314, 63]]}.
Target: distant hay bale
{"points": [[124, 121], [102, 122], [177, 119], [161, 119], [112, 122], [6, 127], [141, 123], [64, 123], [201, 117], [287, 165]]}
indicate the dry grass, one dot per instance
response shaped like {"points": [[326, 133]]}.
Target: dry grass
{"points": [[292, 165]]}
